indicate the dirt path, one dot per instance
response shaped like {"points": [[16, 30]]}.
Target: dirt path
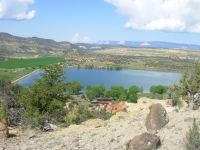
{"points": [[24, 76]]}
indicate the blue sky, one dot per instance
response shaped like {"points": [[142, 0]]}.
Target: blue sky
{"points": [[90, 21]]}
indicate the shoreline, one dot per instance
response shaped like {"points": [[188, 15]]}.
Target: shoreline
{"points": [[13, 82]]}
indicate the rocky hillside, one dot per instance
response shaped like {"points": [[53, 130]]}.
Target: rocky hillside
{"points": [[12, 44], [112, 134]]}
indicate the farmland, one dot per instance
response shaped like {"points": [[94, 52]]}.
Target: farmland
{"points": [[12, 68], [13, 63]]}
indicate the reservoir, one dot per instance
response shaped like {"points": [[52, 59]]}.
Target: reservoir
{"points": [[125, 78]]}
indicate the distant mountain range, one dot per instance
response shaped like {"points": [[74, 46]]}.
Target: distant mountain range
{"points": [[152, 44], [8, 39], [10, 44]]}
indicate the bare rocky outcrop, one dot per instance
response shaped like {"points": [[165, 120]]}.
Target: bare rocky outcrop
{"points": [[145, 141], [3, 129], [156, 119]]}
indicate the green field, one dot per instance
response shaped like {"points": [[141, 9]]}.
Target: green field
{"points": [[24, 63]]}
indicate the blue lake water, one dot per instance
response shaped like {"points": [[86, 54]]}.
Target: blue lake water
{"points": [[125, 78]]}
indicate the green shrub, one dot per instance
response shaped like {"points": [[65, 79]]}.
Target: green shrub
{"points": [[173, 90], [133, 98], [102, 114], [193, 137], [57, 116], [159, 89], [175, 100], [95, 91], [133, 93], [152, 96], [3, 113], [72, 104], [78, 115], [112, 140], [196, 107], [121, 98], [127, 144]]}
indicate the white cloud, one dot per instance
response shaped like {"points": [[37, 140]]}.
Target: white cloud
{"points": [[75, 38], [121, 43], [166, 15], [86, 39], [16, 9]]}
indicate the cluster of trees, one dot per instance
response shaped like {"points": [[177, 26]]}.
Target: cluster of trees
{"points": [[159, 89], [118, 93]]}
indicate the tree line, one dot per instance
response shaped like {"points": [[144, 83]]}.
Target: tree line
{"points": [[118, 93]]}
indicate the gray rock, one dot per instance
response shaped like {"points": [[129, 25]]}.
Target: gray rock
{"points": [[156, 119], [145, 141]]}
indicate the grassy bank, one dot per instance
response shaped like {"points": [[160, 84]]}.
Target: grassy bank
{"points": [[10, 75]]}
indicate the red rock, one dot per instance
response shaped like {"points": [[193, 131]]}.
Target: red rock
{"points": [[112, 108]]}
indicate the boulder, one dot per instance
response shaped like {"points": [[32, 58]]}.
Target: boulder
{"points": [[156, 119], [145, 141], [3, 129]]}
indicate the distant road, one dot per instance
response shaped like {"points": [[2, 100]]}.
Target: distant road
{"points": [[24, 76]]}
